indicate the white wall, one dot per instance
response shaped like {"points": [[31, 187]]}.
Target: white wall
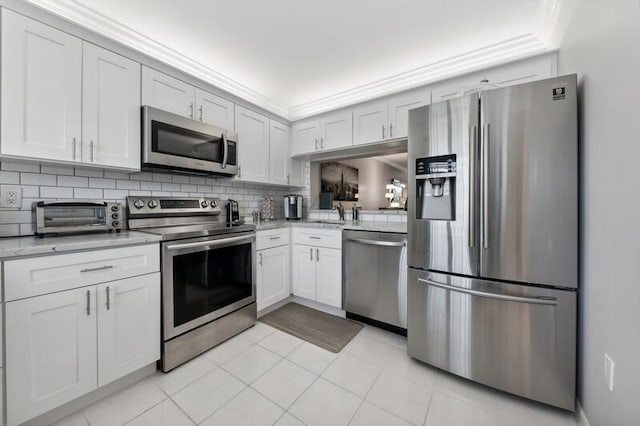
{"points": [[602, 45]]}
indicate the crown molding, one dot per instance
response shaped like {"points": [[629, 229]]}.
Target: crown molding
{"points": [[105, 26], [526, 45]]}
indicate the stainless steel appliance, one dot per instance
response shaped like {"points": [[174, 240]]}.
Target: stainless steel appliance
{"points": [[374, 278], [171, 142], [69, 217], [208, 273], [293, 207], [233, 212], [493, 238]]}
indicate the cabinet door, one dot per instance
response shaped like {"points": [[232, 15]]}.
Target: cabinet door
{"points": [[370, 122], [306, 137], [51, 351], [214, 110], [128, 326], [41, 90], [164, 92], [279, 158], [329, 277], [253, 145], [399, 107], [336, 130], [110, 109], [303, 271], [273, 285]]}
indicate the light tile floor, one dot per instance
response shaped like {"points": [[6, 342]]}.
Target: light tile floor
{"points": [[264, 377]]}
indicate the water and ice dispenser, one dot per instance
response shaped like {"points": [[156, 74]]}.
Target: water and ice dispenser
{"points": [[436, 187]]}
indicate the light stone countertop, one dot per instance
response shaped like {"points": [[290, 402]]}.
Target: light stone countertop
{"points": [[398, 227], [32, 245]]}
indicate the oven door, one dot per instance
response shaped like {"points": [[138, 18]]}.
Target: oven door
{"points": [[206, 278]]}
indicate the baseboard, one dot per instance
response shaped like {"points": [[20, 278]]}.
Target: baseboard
{"points": [[581, 416], [275, 306], [319, 306]]}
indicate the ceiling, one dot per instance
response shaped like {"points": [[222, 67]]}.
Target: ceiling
{"points": [[300, 57]]}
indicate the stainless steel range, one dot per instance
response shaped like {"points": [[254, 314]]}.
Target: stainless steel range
{"points": [[208, 272]]}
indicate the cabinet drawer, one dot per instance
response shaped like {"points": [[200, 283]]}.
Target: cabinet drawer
{"points": [[272, 238], [329, 238], [47, 274]]}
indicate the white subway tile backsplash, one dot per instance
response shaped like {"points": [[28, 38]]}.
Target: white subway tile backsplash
{"points": [[115, 194], [20, 167], [27, 229], [9, 177], [188, 188], [96, 173], [197, 180], [205, 188], [37, 179], [74, 181], [116, 175], [88, 193], [56, 192], [140, 193], [146, 176], [16, 216], [171, 187], [161, 177], [102, 183], [151, 186], [9, 230], [180, 179], [57, 170], [127, 184], [160, 194]]}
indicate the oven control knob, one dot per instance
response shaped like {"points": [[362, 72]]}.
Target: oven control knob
{"points": [[203, 203], [115, 215], [115, 208], [138, 204], [152, 204], [115, 223], [214, 203]]}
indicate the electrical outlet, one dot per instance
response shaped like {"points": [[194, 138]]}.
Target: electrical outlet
{"points": [[10, 196], [608, 371]]}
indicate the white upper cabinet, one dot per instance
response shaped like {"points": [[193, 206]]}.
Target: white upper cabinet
{"points": [[110, 109], [336, 130], [537, 68], [41, 91], [306, 137], [214, 110], [399, 107], [370, 122], [279, 159], [164, 92], [253, 145]]}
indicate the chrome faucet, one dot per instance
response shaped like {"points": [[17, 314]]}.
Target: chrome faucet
{"points": [[340, 209]]}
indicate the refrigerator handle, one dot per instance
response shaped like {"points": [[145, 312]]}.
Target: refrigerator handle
{"points": [[473, 141], [485, 184]]}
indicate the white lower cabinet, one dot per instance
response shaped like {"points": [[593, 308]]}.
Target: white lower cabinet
{"points": [[62, 345], [128, 326], [317, 271], [273, 276]]}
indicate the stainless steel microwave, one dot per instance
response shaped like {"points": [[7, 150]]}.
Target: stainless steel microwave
{"points": [[70, 217], [174, 143]]}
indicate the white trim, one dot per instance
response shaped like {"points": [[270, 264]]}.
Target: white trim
{"points": [[581, 416], [520, 47]]}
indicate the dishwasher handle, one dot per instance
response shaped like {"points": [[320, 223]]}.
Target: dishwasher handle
{"points": [[379, 243]]}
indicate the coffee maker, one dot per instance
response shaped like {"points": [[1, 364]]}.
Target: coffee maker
{"points": [[293, 207]]}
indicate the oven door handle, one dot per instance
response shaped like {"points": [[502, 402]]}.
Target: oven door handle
{"points": [[218, 242]]}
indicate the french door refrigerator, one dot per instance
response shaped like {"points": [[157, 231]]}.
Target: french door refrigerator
{"points": [[493, 238]]}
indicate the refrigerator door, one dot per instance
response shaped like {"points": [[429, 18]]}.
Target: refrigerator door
{"points": [[444, 240], [529, 156], [512, 337]]}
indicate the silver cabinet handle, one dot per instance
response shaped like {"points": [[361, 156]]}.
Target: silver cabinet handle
{"points": [[473, 139], [239, 172], [310, 253], [321, 143], [485, 187], [191, 110], [108, 298], [288, 178], [88, 302], [390, 130], [91, 148], [260, 262], [316, 143], [225, 151], [383, 131], [274, 238], [317, 254], [99, 268], [311, 237], [201, 112], [74, 148], [551, 301], [379, 243]]}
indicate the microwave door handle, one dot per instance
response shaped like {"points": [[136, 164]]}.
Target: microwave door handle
{"points": [[225, 150]]}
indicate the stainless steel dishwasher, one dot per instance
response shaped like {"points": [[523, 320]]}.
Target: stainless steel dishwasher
{"points": [[374, 278]]}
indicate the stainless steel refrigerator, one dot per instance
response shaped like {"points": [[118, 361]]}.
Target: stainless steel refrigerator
{"points": [[493, 238]]}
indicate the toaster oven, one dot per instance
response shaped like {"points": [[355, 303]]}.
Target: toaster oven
{"points": [[70, 217]]}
